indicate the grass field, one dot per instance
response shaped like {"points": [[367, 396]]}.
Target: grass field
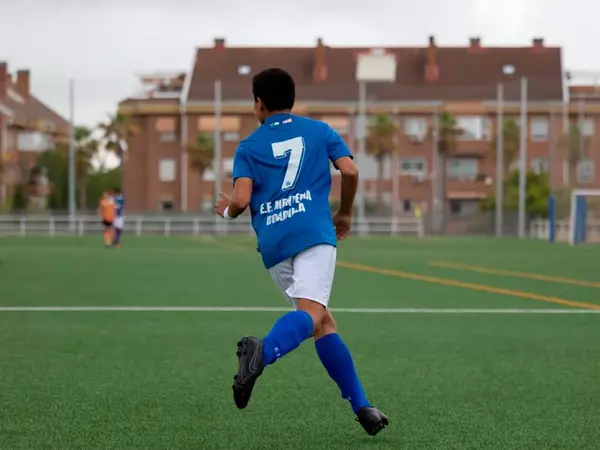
{"points": [[464, 343]]}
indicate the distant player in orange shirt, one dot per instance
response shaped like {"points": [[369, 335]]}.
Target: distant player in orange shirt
{"points": [[107, 212]]}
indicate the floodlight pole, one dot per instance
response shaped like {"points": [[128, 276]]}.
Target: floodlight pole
{"points": [[362, 132], [500, 162], [523, 158], [217, 163], [71, 187]]}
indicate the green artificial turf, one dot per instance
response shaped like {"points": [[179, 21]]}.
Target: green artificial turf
{"points": [[161, 379]]}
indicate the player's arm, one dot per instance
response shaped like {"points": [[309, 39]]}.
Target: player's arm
{"points": [[231, 208], [349, 172], [240, 199], [340, 155]]}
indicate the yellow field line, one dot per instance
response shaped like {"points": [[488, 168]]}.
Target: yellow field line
{"points": [[511, 273], [473, 286]]}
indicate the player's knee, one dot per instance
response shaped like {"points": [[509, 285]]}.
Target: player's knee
{"points": [[315, 310], [327, 326]]}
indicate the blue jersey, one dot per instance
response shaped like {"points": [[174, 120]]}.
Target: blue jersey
{"points": [[119, 204], [287, 159]]}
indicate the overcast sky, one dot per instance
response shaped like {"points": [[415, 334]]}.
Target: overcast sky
{"points": [[103, 44]]}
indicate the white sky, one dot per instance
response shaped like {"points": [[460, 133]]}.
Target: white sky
{"points": [[102, 44]]}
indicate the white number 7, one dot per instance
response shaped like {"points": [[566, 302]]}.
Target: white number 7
{"points": [[295, 147]]}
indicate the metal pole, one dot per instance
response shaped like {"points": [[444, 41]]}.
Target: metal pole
{"points": [[394, 174], [184, 159], [551, 178], [523, 158], [500, 162], [217, 163], [436, 179], [581, 135], [72, 205], [362, 132]]}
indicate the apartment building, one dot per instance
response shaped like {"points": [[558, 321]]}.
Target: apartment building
{"points": [[27, 127], [429, 79]]}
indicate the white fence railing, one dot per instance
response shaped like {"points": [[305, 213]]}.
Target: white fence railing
{"points": [[540, 229], [11, 225]]}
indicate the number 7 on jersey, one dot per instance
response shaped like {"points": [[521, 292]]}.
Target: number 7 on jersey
{"points": [[295, 148]]}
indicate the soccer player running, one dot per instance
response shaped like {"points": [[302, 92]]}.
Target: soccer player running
{"points": [[106, 211], [119, 222], [282, 172]]}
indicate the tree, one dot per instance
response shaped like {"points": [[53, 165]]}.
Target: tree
{"points": [[117, 134], [57, 168], [381, 138], [511, 141], [448, 134], [20, 199], [201, 153], [536, 196], [574, 147], [86, 148]]}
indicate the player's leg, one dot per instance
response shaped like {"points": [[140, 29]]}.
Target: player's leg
{"points": [[337, 360], [118, 225], [305, 283], [117, 239], [107, 233]]}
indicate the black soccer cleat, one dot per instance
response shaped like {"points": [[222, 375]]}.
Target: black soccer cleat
{"points": [[250, 367], [372, 420]]}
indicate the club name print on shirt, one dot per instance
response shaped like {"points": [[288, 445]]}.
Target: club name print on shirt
{"points": [[285, 208]]}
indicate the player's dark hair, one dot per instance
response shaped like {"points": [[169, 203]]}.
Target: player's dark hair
{"points": [[276, 88], [117, 190]]}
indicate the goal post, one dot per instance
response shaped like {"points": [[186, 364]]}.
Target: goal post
{"points": [[579, 220]]}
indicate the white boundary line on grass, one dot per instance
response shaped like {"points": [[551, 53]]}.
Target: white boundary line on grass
{"points": [[280, 309]]}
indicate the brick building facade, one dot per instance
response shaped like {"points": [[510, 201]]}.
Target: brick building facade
{"points": [[27, 127], [460, 80]]}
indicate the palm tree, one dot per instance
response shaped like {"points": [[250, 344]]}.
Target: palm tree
{"points": [[511, 138], [448, 134], [86, 148], [117, 134], [574, 147], [201, 153], [381, 136]]}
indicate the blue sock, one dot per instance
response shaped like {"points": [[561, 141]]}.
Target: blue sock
{"points": [[288, 333], [336, 358]]}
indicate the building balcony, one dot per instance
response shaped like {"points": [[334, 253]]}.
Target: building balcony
{"points": [[473, 188]]}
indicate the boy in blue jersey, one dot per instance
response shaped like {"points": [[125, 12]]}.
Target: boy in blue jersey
{"points": [[119, 223], [282, 172]]}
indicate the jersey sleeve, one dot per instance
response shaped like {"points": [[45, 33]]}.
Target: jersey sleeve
{"points": [[336, 147], [242, 166]]}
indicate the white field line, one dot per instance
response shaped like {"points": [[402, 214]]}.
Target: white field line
{"points": [[280, 309]]}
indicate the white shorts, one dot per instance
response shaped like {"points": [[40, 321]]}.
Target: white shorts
{"points": [[119, 222], [308, 275]]}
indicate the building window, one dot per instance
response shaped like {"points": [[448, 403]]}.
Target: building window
{"points": [[407, 206], [166, 205], [228, 167], [231, 136], [462, 168], [587, 127], [415, 127], [455, 207], [474, 128], [539, 129], [33, 141], [168, 136], [166, 170], [244, 69], [413, 166], [539, 165], [585, 171], [228, 123], [338, 123]]}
